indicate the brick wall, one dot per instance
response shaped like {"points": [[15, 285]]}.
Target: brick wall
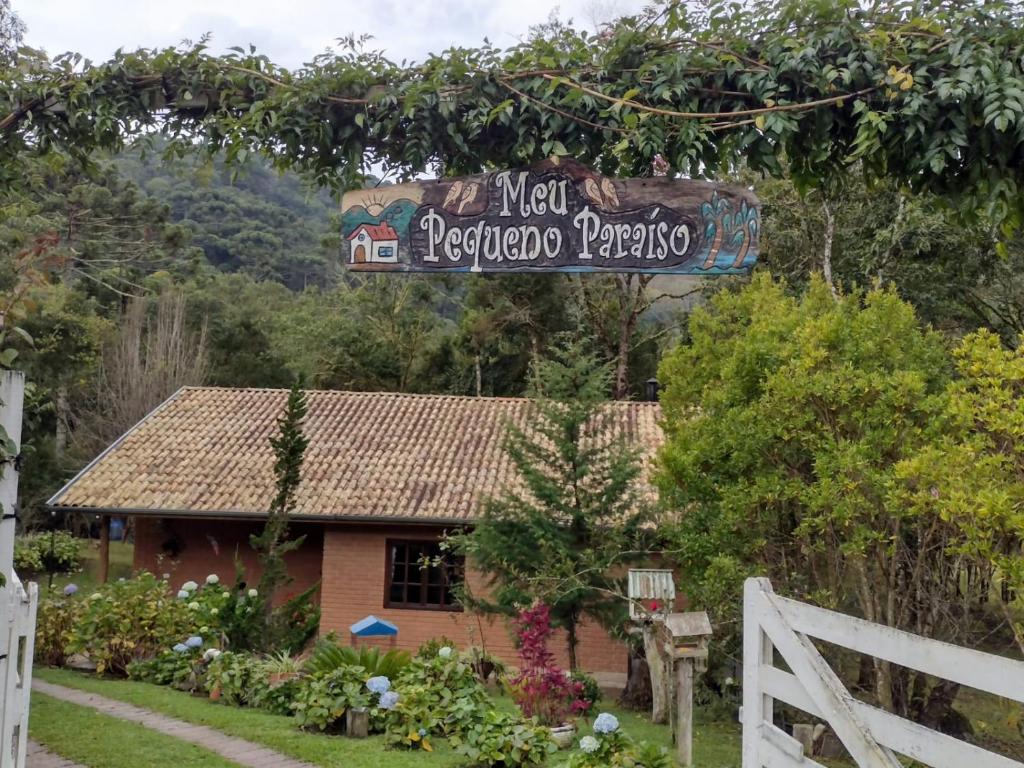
{"points": [[350, 559], [187, 548], [354, 562]]}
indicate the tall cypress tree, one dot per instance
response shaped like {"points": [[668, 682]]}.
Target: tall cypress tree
{"points": [[563, 531], [272, 544]]}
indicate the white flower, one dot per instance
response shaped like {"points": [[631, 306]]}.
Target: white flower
{"points": [[225, 595], [211, 654], [190, 586], [253, 593], [183, 594], [445, 652], [166, 577], [193, 606], [606, 723], [95, 596], [214, 611], [213, 578], [589, 744]]}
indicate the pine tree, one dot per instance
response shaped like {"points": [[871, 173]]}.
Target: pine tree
{"points": [[575, 517], [272, 544]]}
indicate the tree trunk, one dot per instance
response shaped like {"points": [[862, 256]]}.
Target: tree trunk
{"points": [[660, 703], [637, 693], [60, 436], [826, 253], [572, 641]]}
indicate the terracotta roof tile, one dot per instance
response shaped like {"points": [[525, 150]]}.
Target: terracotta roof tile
{"points": [[370, 455]]}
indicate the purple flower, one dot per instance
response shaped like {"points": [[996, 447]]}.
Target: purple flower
{"points": [[70, 589], [388, 700]]}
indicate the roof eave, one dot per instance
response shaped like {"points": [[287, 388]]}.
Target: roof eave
{"points": [[234, 514]]}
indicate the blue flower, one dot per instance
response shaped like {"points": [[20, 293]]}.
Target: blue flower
{"points": [[388, 700], [379, 684], [606, 723], [70, 589], [194, 642], [422, 732], [180, 648], [183, 594]]}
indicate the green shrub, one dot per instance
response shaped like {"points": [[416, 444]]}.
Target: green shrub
{"points": [[320, 702], [47, 552], [439, 695], [235, 677], [503, 740], [130, 620], [328, 655], [180, 669], [55, 621]]}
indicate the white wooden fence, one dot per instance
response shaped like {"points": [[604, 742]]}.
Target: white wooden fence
{"points": [[872, 736], [17, 638], [17, 604]]}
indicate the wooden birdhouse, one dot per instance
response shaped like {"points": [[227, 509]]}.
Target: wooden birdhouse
{"points": [[691, 634]]}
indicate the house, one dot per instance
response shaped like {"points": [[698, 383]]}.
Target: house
{"points": [[374, 243], [385, 475]]}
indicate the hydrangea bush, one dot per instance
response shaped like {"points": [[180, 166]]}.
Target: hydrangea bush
{"points": [[126, 621], [609, 747]]}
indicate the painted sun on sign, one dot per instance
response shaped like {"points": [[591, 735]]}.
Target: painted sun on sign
{"points": [[558, 216]]}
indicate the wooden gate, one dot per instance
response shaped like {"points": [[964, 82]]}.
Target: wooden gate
{"points": [[17, 633], [873, 737]]}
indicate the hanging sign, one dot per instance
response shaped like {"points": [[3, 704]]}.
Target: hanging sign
{"points": [[557, 216]]}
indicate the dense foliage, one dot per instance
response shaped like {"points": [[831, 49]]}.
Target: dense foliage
{"points": [[930, 95], [792, 426]]}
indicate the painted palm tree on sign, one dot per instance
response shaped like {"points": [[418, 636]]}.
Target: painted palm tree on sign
{"points": [[715, 212], [744, 232]]}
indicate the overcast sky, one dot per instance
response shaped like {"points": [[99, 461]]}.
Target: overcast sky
{"points": [[292, 31]]}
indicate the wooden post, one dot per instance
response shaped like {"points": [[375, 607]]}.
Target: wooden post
{"points": [[684, 712], [104, 568], [12, 400]]}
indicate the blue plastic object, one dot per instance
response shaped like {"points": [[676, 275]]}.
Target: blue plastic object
{"points": [[371, 626]]}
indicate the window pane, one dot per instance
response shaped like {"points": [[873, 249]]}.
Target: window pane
{"points": [[397, 595], [434, 595]]}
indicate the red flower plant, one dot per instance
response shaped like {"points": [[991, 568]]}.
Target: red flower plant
{"points": [[541, 689]]}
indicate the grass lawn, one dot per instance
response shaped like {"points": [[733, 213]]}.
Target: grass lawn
{"points": [[717, 745], [100, 741]]}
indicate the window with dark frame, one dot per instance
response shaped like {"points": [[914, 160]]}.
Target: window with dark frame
{"points": [[421, 576]]}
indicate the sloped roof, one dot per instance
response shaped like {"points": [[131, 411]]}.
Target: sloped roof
{"points": [[371, 456], [376, 231]]}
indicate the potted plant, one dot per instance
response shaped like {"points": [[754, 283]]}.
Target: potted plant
{"points": [[541, 689]]}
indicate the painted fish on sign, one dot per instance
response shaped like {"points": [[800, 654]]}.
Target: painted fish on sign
{"points": [[556, 216]]}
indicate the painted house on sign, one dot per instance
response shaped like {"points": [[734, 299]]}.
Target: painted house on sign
{"points": [[374, 243]]}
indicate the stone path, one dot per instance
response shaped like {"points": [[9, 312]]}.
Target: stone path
{"points": [[38, 756], [240, 751]]}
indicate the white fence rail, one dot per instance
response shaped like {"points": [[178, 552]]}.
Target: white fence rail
{"points": [[17, 637], [872, 736]]}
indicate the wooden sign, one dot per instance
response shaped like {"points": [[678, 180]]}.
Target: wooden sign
{"points": [[557, 216]]}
